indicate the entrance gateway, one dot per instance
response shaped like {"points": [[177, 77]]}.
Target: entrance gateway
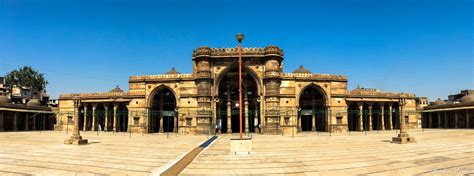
{"points": [[206, 100]]}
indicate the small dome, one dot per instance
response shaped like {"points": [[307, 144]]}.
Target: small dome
{"points": [[467, 98], [439, 102], [4, 99], [172, 71], [116, 89], [301, 69], [33, 102]]}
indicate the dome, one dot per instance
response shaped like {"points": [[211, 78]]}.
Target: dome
{"points": [[116, 89], [301, 69], [4, 99], [172, 71], [467, 98], [439, 102], [33, 102]]}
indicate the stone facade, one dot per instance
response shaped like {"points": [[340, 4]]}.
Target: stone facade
{"points": [[204, 101]]}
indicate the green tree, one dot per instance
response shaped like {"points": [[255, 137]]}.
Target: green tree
{"points": [[26, 76]]}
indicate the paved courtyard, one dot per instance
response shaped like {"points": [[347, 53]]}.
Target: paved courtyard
{"points": [[437, 152], [118, 154]]}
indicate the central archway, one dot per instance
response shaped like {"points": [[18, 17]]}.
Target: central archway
{"points": [[313, 109], [162, 110], [228, 105]]}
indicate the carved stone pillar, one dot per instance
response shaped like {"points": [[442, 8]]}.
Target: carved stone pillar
{"points": [[115, 117], [229, 115], [390, 121], [246, 108], [382, 107], [94, 122], [106, 125], [85, 117], [160, 115], [361, 120], [370, 116], [299, 122]]}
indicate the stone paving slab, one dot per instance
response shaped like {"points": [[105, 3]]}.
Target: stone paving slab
{"points": [[23, 153], [437, 152]]}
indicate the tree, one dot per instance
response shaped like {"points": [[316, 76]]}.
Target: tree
{"points": [[26, 76]]}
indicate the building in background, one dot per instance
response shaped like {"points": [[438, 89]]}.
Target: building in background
{"points": [[456, 112], [23, 109], [207, 100]]}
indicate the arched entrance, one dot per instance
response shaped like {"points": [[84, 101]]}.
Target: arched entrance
{"points": [[228, 105], [313, 111], [162, 110]]}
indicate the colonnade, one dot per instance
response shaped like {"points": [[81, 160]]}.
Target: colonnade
{"points": [[24, 121], [370, 115], [463, 118], [113, 117]]}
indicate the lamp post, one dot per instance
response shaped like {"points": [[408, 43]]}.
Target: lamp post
{"points": [[239, 37], [403, 137], [76, 137]]}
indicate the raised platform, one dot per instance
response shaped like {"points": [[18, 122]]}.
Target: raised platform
{"points": [[403, 138], [76, 140]]}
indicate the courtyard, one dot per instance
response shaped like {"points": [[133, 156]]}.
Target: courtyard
{"points": [[437, 152]]}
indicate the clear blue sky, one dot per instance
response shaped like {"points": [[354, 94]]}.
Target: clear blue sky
{"points": [[424, 47]]}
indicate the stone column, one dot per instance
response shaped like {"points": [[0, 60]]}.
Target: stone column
{"points": [[390, 125], [15, 118], [106, 125], [161, 114], [229, 116], [175, 123], [85, 117], [455, 119], [382, 105], [246, 108], [26, 121], [94, 122], [1, 121], [439, 119], [467, 119], [370, 116], [34, 123], [255, 118], [430, 121], [299, 122], [445, 120], [361, 120], [43, 121], [115, 117]]}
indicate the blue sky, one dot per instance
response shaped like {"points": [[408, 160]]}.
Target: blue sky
{"points": [[424, 47]]}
